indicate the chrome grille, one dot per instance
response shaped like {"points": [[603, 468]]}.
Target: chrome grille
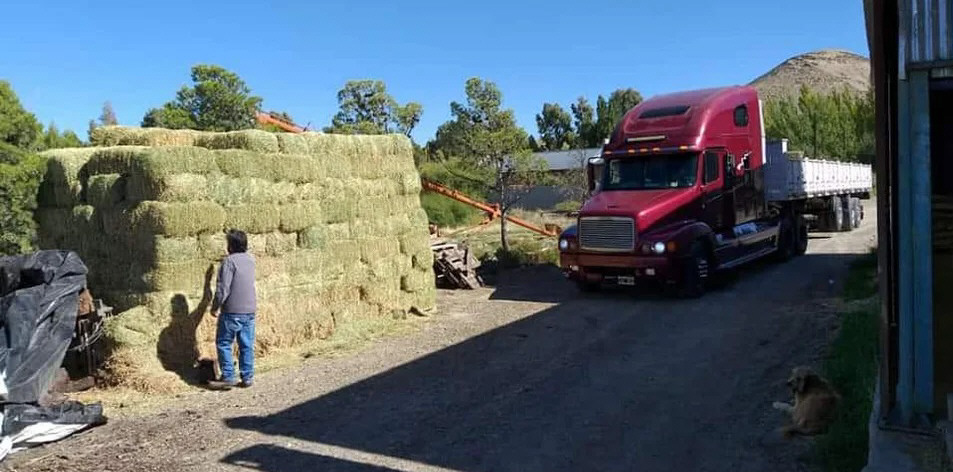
{"points": [[607, 233]]}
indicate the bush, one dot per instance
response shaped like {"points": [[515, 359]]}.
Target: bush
{"points": [[443, 211], [568, 206], [20, 176], [527, 253]]}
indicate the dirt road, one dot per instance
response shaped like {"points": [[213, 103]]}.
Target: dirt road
{"points": [[527, 376]]}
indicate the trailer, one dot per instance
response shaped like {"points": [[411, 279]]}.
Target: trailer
{"points": [[829, 191]]}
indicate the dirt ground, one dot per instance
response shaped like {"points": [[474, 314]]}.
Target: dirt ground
{"points": [[529, 375]]}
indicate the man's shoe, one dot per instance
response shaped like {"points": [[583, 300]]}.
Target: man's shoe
{"points": [[246, 384], [221, 385]]}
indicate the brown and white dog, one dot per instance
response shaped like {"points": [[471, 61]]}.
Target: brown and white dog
{"points": [[815, 401]]}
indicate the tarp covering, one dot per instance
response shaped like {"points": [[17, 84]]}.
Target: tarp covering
{"points": [[39, 300]]}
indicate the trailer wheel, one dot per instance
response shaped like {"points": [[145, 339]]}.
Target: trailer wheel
{"points": [[849, 213], [695, 272], [858, 212], [801, 247], [837, 215]]}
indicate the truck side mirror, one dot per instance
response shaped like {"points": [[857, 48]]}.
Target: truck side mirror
{"points": [[593, 168]]}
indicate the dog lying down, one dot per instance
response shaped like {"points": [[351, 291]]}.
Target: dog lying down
{"points": [[815, 401]]}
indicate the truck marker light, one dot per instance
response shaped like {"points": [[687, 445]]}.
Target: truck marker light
{"points": [[683, 148], [670, 247], [659, 247], [656, 149], [631, 151], [649, 271]]}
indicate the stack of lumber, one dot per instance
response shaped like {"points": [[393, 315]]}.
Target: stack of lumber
{"points": [[454, 265]]}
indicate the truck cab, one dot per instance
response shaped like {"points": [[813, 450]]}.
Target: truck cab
{"points": [[678, 192]]}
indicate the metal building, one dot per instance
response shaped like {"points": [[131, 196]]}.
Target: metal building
{"points": [[911, 47]]}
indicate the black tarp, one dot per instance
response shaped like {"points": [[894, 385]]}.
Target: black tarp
{"points": [[39, 300], [38, 309]]}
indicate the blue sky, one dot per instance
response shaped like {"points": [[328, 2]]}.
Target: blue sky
{"points": [[65, 59]]}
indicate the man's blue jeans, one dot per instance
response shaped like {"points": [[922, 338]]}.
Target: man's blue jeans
{"points": [[231, 325]]}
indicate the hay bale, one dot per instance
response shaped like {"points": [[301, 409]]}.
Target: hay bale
{"points": [[187, 276], [248, 140], [226, 190], [105, 190], [299, 216], [235, 163], [132, 136], [253, 218], [174, 219], [291, 143], [62, 186], [272, 244]]}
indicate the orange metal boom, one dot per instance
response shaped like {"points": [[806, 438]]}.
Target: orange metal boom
{"points": [[492, 211]]}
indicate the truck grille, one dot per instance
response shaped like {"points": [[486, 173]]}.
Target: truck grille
{"points": [[608, 234]]}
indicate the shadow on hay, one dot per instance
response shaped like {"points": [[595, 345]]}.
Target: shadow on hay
{"points": [[178, 349]]}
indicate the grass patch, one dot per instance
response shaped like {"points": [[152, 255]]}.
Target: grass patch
{"points": [[852, 367]]}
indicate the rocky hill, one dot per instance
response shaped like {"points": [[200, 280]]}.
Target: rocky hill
{"points": [[822, 71]]}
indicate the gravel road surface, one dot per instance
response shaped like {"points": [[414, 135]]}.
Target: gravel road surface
{"points": [[529, 375]]}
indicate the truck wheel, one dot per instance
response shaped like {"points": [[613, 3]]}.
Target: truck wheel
{"points": [[695, 271], [849, 214], [858, 212], [837, 215], [786, 240], [801, 247]]}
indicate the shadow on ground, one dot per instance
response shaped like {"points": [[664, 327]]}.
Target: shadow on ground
{"points": [[598, 382]]}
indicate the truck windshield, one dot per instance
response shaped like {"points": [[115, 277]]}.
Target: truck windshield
{"points": [[651, 172]]}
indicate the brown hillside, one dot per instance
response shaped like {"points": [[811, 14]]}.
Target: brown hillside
{"points": [[822, 71]]}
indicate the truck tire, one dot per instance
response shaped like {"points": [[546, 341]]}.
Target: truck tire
{"points": [[837, 215], [787, 240], [695, 272], [858, 215], [849, 213], [802, 236]]}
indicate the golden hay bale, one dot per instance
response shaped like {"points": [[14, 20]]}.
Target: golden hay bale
{"points": [[176, 250], [62, 186], [132, 136], [409, 183], [299, 216], [417, 281], [234, 191], [105, 190], [188, 276], [272, 244], [243, 164], [300, 168], [291, 143], [176, 219], [253, 218], [171, 188], [248, 139]]}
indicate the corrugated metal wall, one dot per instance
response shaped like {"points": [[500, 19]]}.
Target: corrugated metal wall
{"points": [[925, 34]]}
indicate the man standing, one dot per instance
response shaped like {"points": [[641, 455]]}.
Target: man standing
{"points": [[235, 296]]}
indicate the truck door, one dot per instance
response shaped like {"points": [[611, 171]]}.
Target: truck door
{"points": [[713, 190]]}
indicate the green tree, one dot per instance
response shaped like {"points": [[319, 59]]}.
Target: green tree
{"points": [[555, 128], [219, 100], [489, 147], [838, 125], [18, 127], [367, 108], [20, 176], [52, 138], [584, 120], [610, 111]]}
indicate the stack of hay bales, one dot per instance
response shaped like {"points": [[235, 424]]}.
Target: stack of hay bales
{"points": [[334, 221]]}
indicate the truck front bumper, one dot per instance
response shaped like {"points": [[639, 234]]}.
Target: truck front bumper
{"points": [[615, 268]]}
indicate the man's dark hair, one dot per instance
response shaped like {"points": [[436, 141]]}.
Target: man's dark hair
{"points": [[237, 241]]}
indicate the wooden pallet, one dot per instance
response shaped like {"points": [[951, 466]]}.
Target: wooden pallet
{"points": [[454, 265]]}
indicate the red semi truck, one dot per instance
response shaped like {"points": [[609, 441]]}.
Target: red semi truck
{"points": [[687, 185]]}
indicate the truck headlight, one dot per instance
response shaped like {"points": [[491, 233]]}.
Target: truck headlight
{"points": [[563, 244], [658, 247]]}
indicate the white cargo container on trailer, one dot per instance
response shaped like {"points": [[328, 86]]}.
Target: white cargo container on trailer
{"points": [[829, 190]]}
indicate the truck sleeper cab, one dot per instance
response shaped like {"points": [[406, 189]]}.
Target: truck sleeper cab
{"points": [[679, 192]]}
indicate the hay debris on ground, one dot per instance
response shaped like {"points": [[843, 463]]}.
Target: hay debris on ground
{"points": [[334, 222]]}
